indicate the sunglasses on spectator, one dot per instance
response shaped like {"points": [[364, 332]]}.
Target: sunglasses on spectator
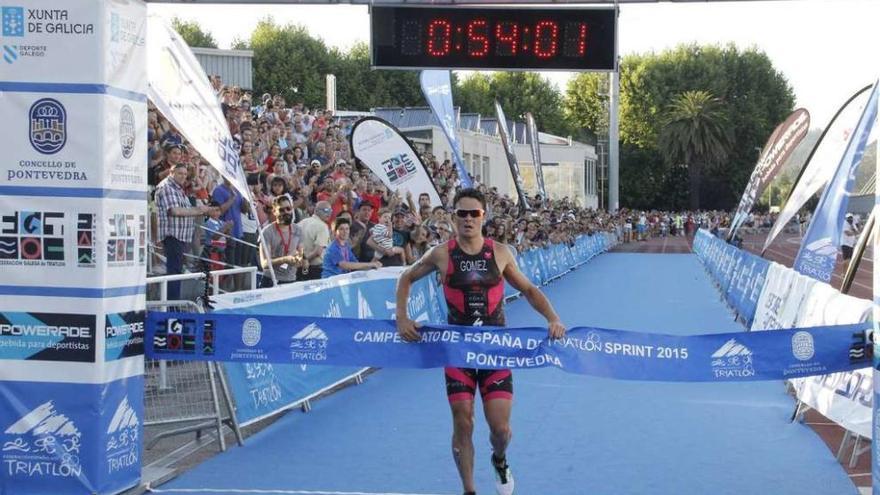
{"points": [[469, 213], [283, 210]]}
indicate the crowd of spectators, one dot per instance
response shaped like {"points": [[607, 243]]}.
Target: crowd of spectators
{"points": [[322, 213]]}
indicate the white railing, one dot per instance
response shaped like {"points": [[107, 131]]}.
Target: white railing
{"points": [[163, 280]]}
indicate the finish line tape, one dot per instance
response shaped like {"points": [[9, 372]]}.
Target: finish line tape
{"points": [[617, 354]]}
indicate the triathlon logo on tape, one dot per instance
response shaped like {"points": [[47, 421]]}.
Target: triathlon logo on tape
{"points": [[42, 443], [309, 344], [47, 337], [732, 360]]}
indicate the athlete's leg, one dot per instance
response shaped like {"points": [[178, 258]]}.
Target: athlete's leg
{"points": [[462, 441], [497, 413]]}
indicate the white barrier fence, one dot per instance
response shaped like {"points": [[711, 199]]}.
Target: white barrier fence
{"points": [[787, 300]]}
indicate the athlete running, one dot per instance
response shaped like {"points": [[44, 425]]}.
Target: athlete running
{"points": [[472, 270]]}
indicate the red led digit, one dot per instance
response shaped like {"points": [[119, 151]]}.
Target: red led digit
{"points": [[439, 38], [582, 40], [546, 39], [478, 41], [506, 34]]}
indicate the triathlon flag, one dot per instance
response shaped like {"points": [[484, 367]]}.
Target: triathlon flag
{"points": [[779, 147], [818, 253], [391, 157], [511, 158], [536, 154], [437, 89], [179, 88], [820, 165]]}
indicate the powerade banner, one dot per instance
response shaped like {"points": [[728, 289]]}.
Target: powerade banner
{"points": [[618, 354], [180, 90], [391, 157], [437, 89], [822, 162], [532, 129], [511, 157], [818, 252], [779, 147]]}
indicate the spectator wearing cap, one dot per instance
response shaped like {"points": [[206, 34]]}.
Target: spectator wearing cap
{"points": [[176, 217], [373, 196], [339, 257], [316, 238]]}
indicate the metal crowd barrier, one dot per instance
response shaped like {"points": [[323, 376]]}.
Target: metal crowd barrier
{"points": [[185, 394]]}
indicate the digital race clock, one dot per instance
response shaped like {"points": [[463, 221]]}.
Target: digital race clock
{"points": [[512, 38]]}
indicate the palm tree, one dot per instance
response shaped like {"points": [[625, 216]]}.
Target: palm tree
{"points": [[696, 134]]}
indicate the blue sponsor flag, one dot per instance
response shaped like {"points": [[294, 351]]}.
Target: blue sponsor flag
{"points": [[818, 252], [437, 89]]}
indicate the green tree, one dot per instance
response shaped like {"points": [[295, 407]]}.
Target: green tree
{"points": [[288, 61], [756, 95], [518, 93], [193, 34], [697, 135], [360, 88]]}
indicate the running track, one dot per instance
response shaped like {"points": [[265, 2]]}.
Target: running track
{"points": [[573, 435]]}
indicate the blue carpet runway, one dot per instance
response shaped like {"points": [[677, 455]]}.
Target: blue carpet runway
{"points": [[572, 435]]}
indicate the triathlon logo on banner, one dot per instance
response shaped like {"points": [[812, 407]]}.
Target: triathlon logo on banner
{"points": [[399, 169], [47, 337], [123, 447], [42, 443], [32, 238], [126, 240], [123, 335], [85, 240]]}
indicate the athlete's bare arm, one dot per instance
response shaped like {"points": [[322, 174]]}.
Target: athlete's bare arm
{"points": [[426, 265], [537, 299]]}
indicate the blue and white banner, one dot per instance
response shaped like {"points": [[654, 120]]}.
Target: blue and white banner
{"points": [[818, 252], [741, 276], [392, 158], [437, 88], [623, 355]]}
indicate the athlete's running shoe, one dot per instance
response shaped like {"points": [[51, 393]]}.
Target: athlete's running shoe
{"points": [[503, 476]]}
